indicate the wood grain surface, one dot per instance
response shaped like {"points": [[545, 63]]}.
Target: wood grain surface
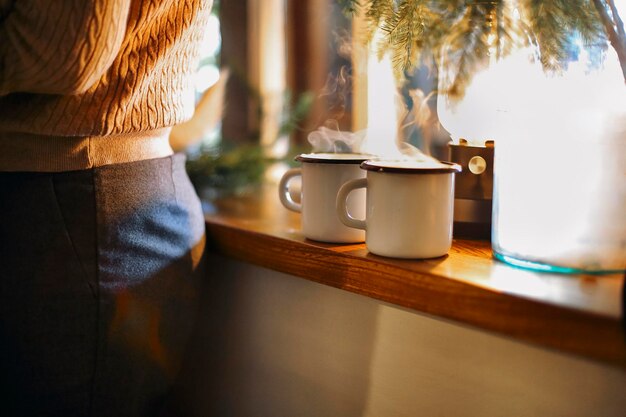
{"points": [[576, 314]]}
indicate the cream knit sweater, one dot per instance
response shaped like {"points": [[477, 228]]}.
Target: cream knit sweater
{"points": [[91, 82]]}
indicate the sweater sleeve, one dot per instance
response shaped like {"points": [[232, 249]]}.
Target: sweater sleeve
{"points": [[59, 46]]}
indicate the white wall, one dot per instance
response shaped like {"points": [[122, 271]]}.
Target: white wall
{"points": [[277, 345]]}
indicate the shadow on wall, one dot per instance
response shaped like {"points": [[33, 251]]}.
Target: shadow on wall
{"points": [[268, 347]]}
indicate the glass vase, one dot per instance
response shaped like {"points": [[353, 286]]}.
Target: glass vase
{"points": [[559, 201], [560, 171]]}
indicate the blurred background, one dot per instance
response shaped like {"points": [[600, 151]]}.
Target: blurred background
{"points": [[272, 72]]}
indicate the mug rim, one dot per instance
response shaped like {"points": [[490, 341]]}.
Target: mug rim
{"points": [[375, 166], [319, 158]]}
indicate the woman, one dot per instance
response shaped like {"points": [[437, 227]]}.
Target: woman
{"points": [[101, 233]]}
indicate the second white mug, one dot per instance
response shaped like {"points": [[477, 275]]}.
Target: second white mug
{"points": [[409, 208]]}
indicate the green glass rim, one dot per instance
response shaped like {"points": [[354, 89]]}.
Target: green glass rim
{"points": [[543, 267]]}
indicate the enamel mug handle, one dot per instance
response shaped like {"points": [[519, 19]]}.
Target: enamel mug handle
{"points": [[342, 201], [283, 190]]}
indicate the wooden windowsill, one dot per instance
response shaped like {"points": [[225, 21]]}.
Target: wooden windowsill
{"points": [[576, 314]]}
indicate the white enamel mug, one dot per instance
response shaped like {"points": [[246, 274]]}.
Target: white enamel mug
{"points": [[409, 208], [322, 176]]}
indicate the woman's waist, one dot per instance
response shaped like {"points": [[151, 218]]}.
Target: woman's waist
{"points": [[47, 153]]}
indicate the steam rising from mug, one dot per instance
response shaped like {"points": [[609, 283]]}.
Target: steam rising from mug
{"points": [[387, 114], [336, 141], [364, 142]]}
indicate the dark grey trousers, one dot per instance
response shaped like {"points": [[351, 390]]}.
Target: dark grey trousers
{"points": [[99, 278]]}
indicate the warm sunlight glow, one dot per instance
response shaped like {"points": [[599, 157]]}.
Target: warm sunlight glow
{"points": [[382, 108], [272, 66], [385, 110]]}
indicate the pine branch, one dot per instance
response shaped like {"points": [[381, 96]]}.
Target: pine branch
{"points": [[617, 19], [585, 21], [614, 28], [548, 24], [512, 33], [405, 32], [468, 47], [465, 32], [500, 28], [447, 17], [378, 11]]}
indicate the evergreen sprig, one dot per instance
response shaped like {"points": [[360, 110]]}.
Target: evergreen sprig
{"points": [[406, 31], [466, 33], [468, 48], [378, 12], [554, 21]]}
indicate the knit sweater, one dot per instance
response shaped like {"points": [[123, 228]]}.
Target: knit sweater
{"points": [[91, 82]]}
